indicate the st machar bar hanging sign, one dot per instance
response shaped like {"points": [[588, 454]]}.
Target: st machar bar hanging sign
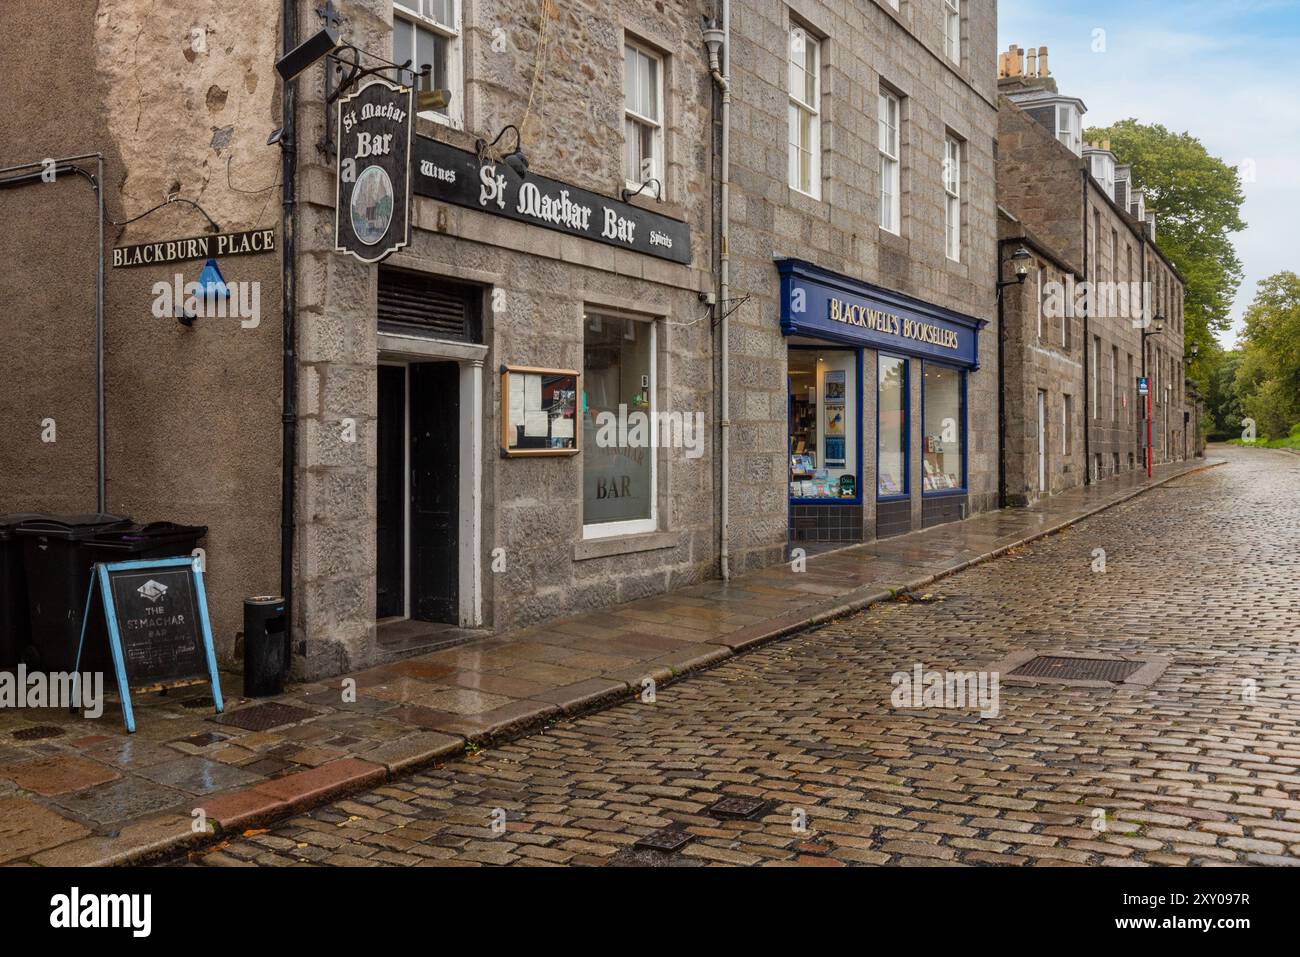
{"points": [[454, 175], [211, 246], [372, 209]]}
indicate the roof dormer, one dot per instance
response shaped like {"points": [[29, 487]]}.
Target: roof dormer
{"points": [[1101, 164]]}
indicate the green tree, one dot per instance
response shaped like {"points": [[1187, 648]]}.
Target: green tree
{"points": [[1222, 401], [1268, 378], [1197, 201]]}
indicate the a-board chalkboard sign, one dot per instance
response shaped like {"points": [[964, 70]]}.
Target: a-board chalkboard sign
{"points": [[158, 627]]}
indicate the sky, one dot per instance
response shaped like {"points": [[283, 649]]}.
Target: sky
{"points": [[1223, 70]]}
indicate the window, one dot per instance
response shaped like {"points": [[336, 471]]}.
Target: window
{"points": [[952, 29], [428, 31], [1065, 329], [942, 419], [891, 426], [618, 401], [952, 197], [1128, 384], [1038, 300], [1067, 127], [1114, 383], [805, 112], [1114, 256], [823, 403], [643, 118], [889, 162], [1096, 348], [1067, 424]]}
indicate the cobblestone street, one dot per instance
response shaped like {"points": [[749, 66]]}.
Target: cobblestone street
{"points": [[1200, 767]]}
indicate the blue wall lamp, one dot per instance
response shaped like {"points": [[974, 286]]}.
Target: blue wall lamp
{"points": [[211, 287]]}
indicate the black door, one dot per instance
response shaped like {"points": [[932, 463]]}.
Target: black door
{"points": [[390, 530], [435, 480]]}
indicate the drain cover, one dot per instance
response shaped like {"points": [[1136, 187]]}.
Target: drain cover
{"points": [[38, 732], [1077, 669], [667, 839], [264, 717], [737, 807]]}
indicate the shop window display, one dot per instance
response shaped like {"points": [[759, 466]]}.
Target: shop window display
{"points": [[944, 452], [823, 401]]}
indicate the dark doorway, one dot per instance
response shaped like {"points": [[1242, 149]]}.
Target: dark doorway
{"points": [[435, 488], [390, 510], [416, 523]]}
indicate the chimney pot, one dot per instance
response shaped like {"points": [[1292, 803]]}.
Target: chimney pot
{"points": [[1032, 68], [1105, 144], [1042, 62]]}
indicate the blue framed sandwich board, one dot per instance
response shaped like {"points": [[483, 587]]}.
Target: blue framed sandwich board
{"points": [[159, 632]]}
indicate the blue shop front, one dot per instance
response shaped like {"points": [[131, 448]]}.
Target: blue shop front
{"points": [[878, 411]]}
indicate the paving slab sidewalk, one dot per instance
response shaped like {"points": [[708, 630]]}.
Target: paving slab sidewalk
{"points": [[81, 792]]}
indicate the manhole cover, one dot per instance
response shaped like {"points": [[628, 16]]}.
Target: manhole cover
{"points": [[264, 717], [737, 807], [205, 701], [1077, 669], [38, 732], [667, 839]]}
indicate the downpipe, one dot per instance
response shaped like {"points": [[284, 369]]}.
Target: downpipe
{"points": [[719, 70]]}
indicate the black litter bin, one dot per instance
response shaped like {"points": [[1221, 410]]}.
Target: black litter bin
{"points": [[58, 566], [266, 646], [15, 629]]}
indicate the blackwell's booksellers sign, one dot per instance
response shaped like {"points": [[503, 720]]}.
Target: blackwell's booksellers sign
{"points": [[372, 209], [827, 305], [453, 175]]}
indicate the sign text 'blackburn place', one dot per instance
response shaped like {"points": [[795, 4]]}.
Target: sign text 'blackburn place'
{"points": [[213, 246]]}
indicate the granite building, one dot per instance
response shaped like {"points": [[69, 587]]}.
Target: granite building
{"points": [[556, 279], [1101, 306], [671, 302], [861, 252]]}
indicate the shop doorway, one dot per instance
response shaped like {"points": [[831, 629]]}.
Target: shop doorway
{"points": [[417, 492]]}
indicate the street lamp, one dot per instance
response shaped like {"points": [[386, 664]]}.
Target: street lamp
{"points": [[1019, 265]]}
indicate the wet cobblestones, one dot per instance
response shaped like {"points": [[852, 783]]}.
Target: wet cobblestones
{"points": [[1201, 767]]}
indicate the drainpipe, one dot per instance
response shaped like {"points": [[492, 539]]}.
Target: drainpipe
{"points": [[1087, 345], [289, 298], [1142, 337], [720, 70], [1002, 385]]}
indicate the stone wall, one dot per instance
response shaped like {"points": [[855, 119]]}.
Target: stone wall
{"points": [[192, 413], [1042, 183], [538, 283]]}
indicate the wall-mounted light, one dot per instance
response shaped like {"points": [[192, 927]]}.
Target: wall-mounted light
{"points": [[627, 194], [515, 159], [1020, 260], [322, 43], [211, 287]]}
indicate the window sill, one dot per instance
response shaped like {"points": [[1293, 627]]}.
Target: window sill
{"points": [[624, 545]]}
